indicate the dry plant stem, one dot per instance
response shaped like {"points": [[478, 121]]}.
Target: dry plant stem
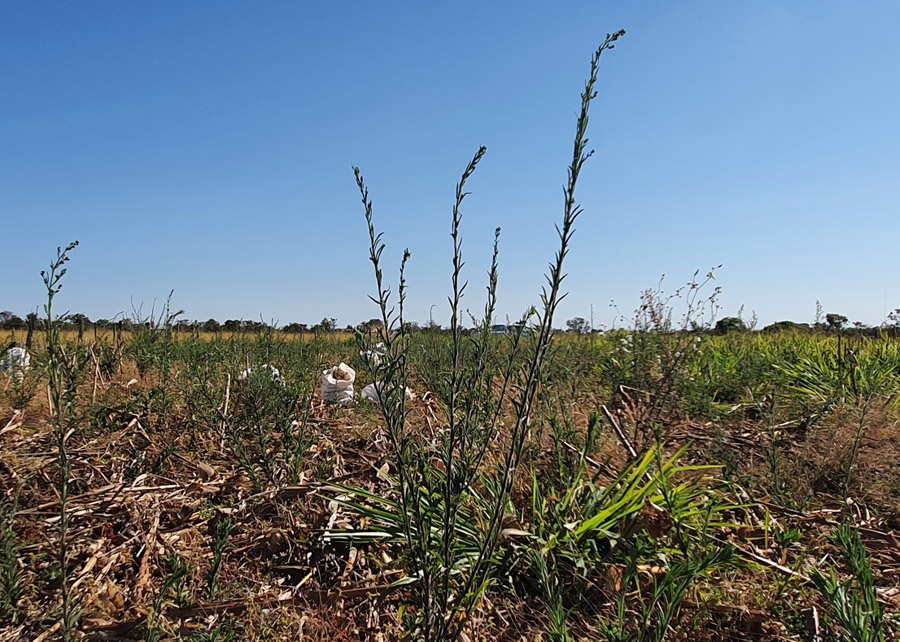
{"points": [[812, 625], [619, 432]]}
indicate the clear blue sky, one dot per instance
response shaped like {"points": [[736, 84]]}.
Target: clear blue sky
{"points": [[207, 147]]}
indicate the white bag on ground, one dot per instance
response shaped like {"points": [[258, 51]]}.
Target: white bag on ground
{"points": [[337, 384], [16, 362], [261, 371], [371, 391], [375, 355]]}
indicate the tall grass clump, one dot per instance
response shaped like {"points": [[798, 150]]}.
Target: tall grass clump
{"points": [[152, 338], [62, 372], [437, 476]]}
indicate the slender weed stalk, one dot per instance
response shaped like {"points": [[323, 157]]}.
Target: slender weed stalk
{"points": [[151, 343], [22, 386], [868, 379], [296, 441], [62, 376], [773, 450]]}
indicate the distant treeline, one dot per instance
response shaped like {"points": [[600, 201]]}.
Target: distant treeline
{"points": [[11, 321], [829, 323]]}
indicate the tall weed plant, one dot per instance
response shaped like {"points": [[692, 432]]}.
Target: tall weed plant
{"points": [[437, 476], [63, 373]]}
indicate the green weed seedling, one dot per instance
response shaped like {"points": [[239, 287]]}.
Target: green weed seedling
{"points": [[853, 603], [11, 588], [223, 532]]}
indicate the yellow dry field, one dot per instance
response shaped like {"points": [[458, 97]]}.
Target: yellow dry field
{"points": [[108, 336]]}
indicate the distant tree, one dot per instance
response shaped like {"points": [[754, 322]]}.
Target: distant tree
{"points": [[730, 324], [295, 328], [578, 325], [780, 326], [253, 326], [79, 320], [185, 325], [231, 325], [893, 320], [835, 321], [327, 325], [210, 325], [10, 321], [370, 326]]}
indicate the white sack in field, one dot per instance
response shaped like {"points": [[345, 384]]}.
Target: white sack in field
{"points": [[371, 391], [16, 362], [261, 371], [337, 384], [375, 355]]}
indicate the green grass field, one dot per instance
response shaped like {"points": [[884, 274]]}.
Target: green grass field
{"points": [[202, 507]]}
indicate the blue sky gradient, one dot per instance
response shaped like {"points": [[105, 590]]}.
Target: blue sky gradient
{"points": [[207, 147]]}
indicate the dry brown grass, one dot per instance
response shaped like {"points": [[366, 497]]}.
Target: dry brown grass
{"points": [[281, 581]]}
